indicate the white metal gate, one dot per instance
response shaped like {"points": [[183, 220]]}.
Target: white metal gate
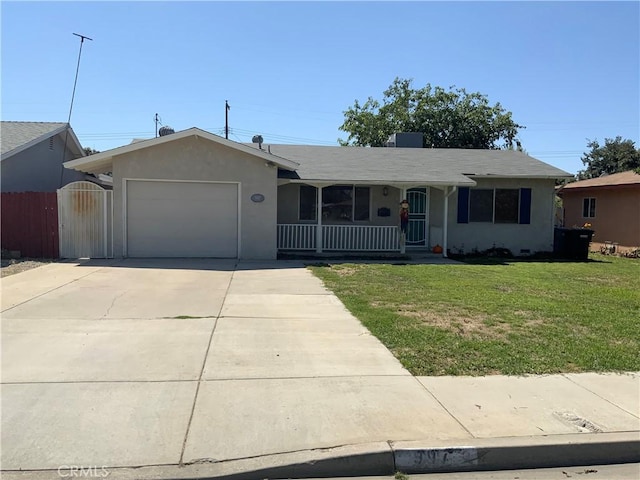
{"points": [[85, 221]]}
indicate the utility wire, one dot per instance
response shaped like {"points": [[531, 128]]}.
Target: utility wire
{"points": [[73, 94]]}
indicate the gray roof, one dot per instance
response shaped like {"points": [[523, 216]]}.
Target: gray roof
{"points": [[18, 136], [448, 166], [103, 162]]}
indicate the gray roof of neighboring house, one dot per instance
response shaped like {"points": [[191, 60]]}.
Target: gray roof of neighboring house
{"points": [[18, 136], [420, 165]]}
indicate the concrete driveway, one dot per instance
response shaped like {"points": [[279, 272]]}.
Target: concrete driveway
{"points": [[166, 362]]}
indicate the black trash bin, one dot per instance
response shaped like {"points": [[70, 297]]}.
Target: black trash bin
{"points": [[572, 243], [560, 242]]}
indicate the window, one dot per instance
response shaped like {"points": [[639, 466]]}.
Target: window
{"points": [[308, 205], [481, 205], [506, 205], [340, 203], [337, 203], [589, 207], [500, 205]]}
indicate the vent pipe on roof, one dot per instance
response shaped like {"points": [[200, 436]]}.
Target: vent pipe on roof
{"points": [[258, 139], [166, 130]]}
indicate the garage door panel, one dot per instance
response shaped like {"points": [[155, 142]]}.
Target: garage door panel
{"points": [[182, 219]]}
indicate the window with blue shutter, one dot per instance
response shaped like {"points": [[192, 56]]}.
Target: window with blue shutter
{"points": [[525, 206], [463, 205]]}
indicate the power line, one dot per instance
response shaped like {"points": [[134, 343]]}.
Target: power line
{"points": [[219, 130]]}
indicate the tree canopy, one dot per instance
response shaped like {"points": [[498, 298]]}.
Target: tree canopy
{"points": [[448, 118], [90, 151], [616, 155]]}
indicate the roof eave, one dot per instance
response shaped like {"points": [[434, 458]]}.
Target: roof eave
{"points": [[407, 183], [76, 142], [580, 188], [98, 162], [39, 139], [538, 177]]}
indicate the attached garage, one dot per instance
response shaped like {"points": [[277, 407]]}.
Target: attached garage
{"points": [[181, 219], [192, 194]]}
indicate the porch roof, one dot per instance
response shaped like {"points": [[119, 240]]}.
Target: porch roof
{"points": [[427, 166]]}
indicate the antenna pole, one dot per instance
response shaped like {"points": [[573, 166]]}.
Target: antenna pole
{"points": [[73, 94], [226, 119], [156, 120], [75, 82]]}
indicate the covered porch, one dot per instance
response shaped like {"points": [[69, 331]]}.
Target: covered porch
{"points": [[361, 217]]}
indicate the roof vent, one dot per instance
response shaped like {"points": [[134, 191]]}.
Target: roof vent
{"points": [[166, 130], [258, 139], [405, 140]]}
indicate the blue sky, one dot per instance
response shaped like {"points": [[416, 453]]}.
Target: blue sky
{"points": [[568, 71]]}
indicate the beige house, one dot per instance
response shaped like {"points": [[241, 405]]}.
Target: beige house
{"points": [[611, 204], [195, 194]]}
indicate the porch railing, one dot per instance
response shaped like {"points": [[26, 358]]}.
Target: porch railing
{"points": [[296, 237], [339, 237], [360, 238]]}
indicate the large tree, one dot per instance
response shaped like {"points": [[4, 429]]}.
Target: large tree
{"points": [[448, 118], [616, 155], [90, 151]]}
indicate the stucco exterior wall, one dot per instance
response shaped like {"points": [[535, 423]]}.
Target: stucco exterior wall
{"points": [[519, 239], [436, 217], [38, 169], [199, 159], [391, 201], [617, 213]]}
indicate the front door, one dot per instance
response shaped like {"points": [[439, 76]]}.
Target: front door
{"points": [[418, 207]]}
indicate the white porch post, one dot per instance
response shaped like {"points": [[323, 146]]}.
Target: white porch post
{"points": [[403, 236], [319, 217], [445, 226]]}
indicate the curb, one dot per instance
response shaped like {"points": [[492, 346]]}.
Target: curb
{"points": [[512, 453], [387, 458]]}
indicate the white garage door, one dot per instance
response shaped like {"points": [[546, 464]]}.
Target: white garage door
{"points": [[182, 219]]}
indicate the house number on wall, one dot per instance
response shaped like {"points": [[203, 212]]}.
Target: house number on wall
{"points": [[257, 198]]}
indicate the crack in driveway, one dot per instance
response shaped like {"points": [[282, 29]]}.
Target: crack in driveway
{"points": [[113, 302]]}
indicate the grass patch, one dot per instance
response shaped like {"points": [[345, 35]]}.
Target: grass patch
{"points": [[499, 317]]}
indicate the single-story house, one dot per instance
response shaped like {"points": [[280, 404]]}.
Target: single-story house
{"points": [[195, 194], [610, 204], [33, 154]]}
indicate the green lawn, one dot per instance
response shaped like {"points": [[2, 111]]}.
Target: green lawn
{"points": [[517, 317]]}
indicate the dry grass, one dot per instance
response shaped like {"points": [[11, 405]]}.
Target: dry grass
{"points": [[14, 266]]}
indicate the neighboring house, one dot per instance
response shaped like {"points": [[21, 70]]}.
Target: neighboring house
{"points": [[611, 204], [32, 156], [195, 194]]}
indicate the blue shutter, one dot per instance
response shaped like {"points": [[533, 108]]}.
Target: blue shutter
{"points": [[525, 206], [463, 205]]}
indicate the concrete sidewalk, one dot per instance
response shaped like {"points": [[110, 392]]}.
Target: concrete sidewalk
{"points": [[204, 368]]}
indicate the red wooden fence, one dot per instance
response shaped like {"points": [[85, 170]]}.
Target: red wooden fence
{"points": [[30, 223]]}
